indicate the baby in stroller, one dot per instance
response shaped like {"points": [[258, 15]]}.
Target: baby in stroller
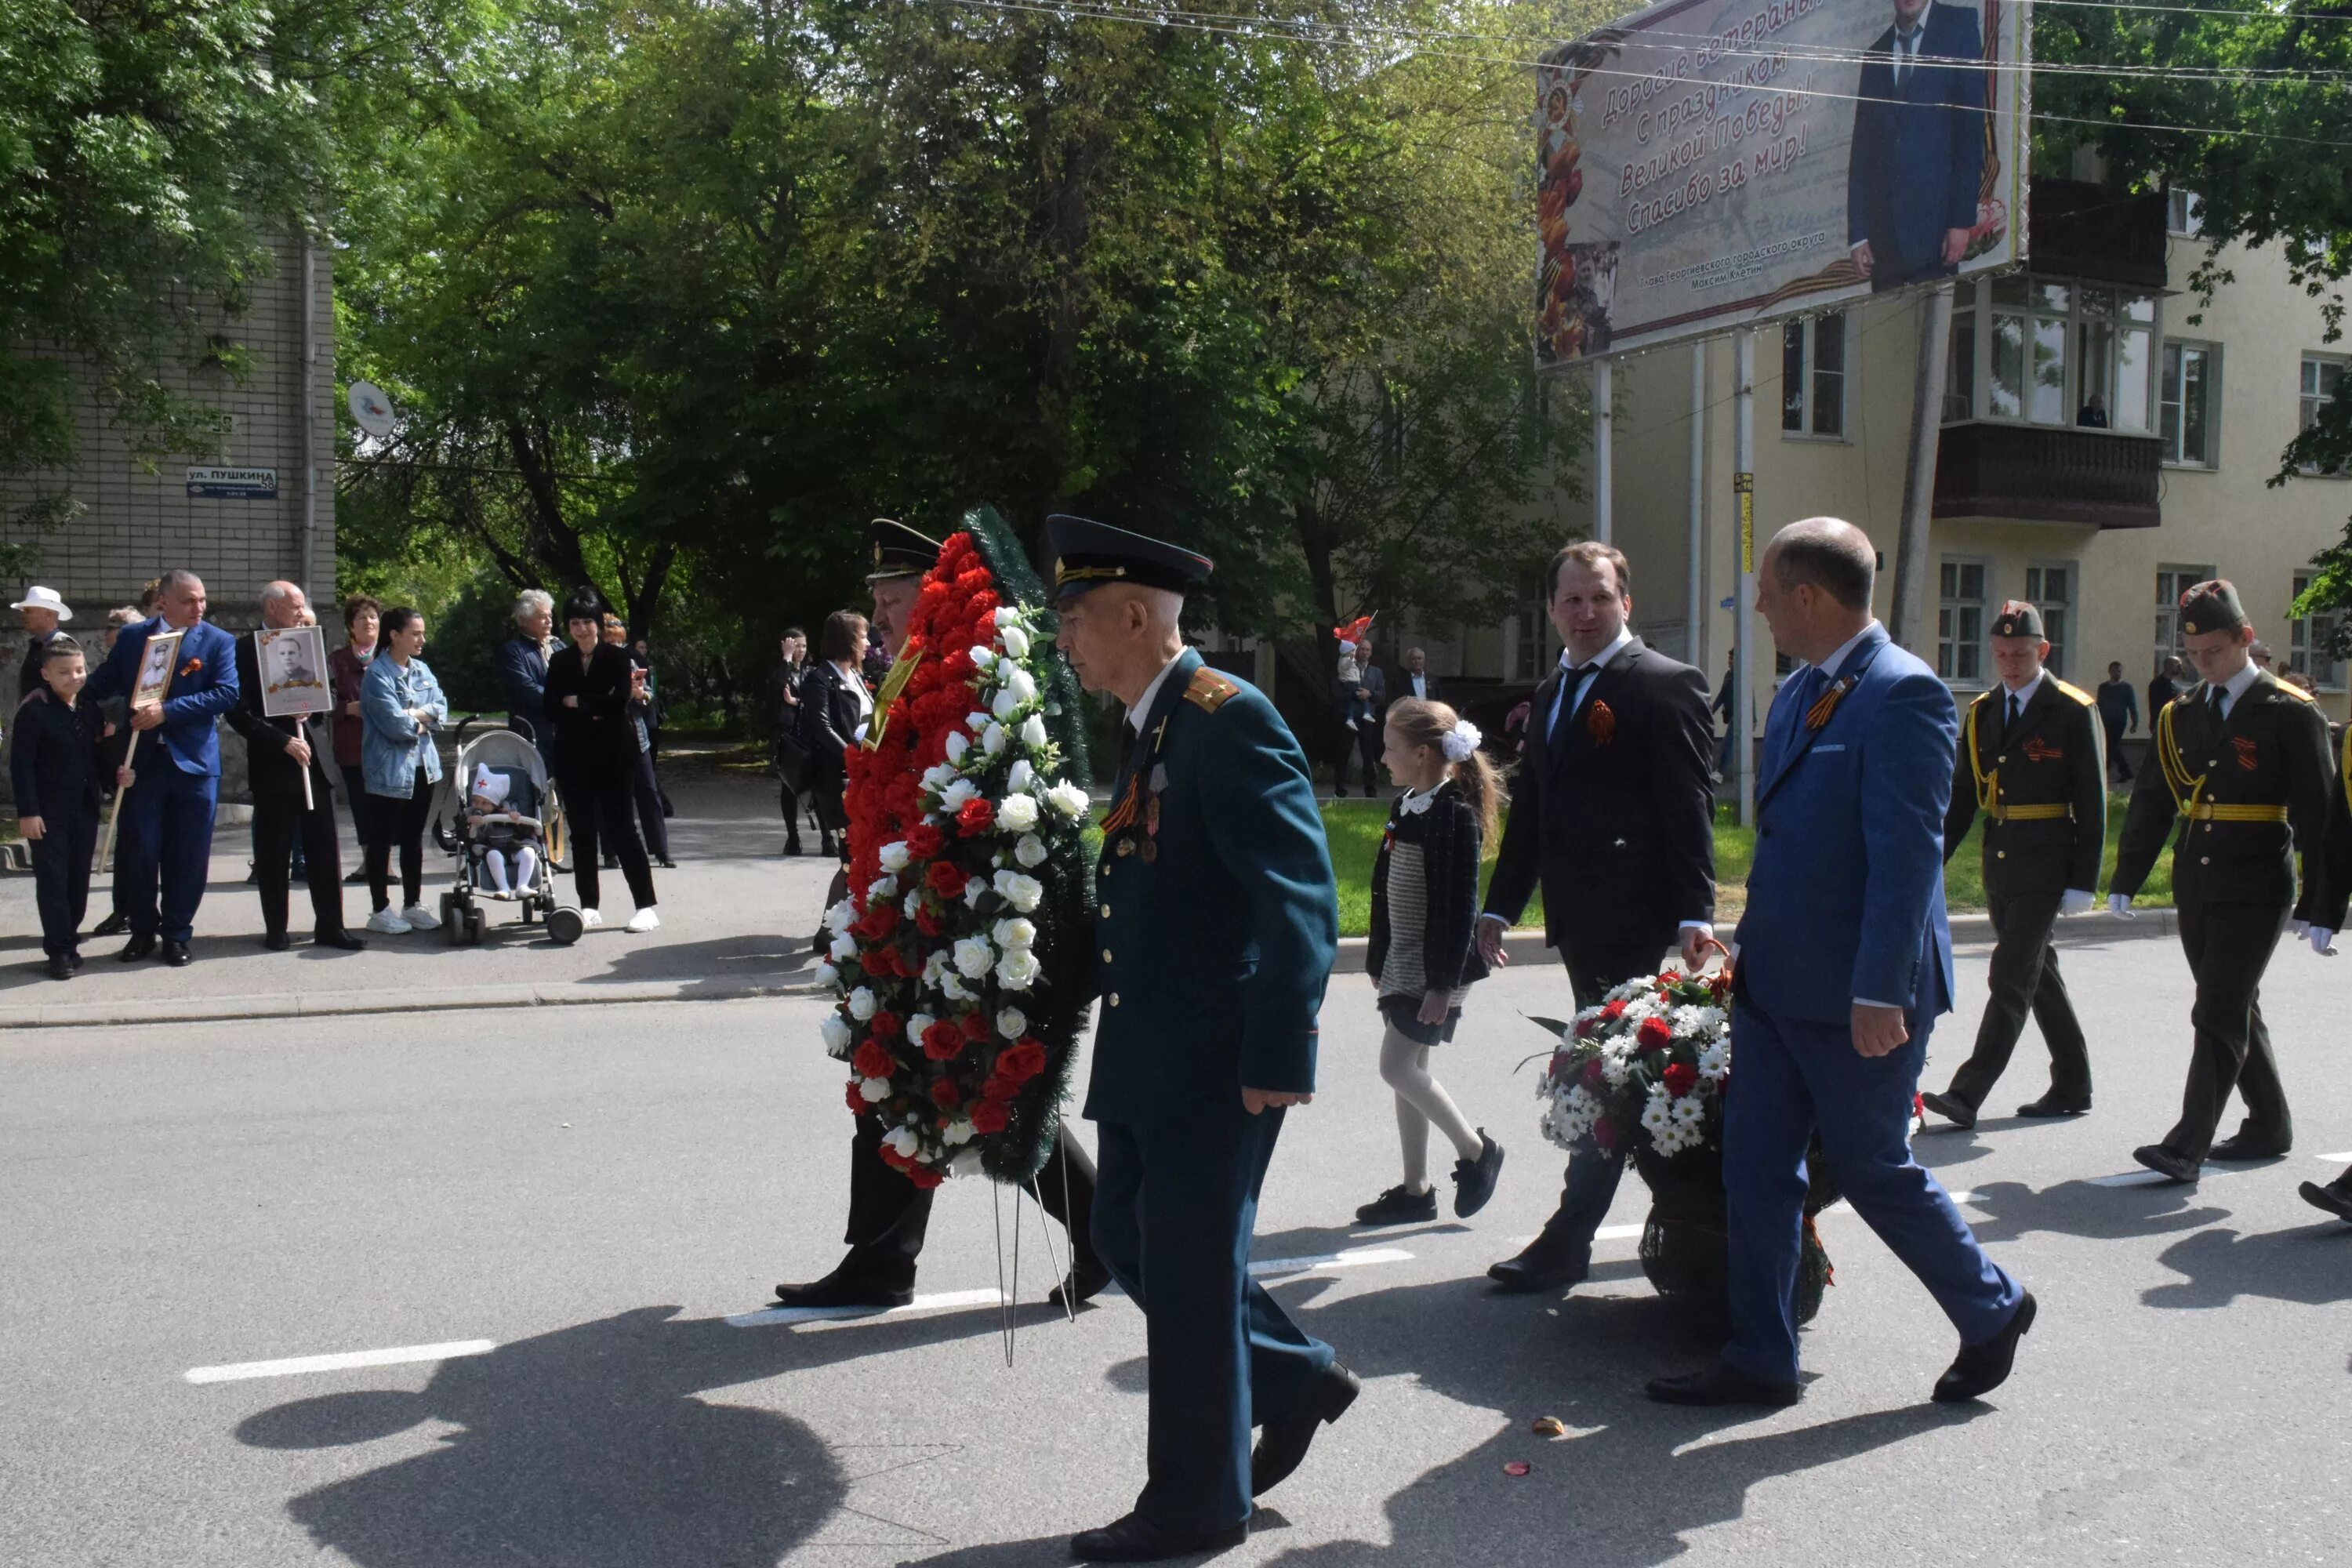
{"points": [[505, 841]]}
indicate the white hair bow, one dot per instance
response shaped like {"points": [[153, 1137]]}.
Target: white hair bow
{"points": [[1461, 740]]}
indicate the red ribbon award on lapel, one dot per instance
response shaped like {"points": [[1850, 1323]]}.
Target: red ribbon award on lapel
{"points": [[1600, 722]]}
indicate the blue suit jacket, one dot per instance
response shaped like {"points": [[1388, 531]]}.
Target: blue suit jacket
{"points": [[202, 690], [1847, 897], [1217, 947], [1919, 155]]}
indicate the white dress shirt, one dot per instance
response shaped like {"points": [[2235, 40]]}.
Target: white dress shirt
{"points": [[2235, 687], [1420, 679], [1565, 703], [2020, 697], [1142, 709]]}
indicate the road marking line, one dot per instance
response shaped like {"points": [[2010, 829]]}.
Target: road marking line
{"points": [[1355, 1256], [2131, 1179], [2343, 1159], [293, 1366], [946, 1300]]}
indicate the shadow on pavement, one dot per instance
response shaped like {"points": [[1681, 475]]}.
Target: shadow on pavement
{"points": [[2309, 1264], [2007, 1210]]}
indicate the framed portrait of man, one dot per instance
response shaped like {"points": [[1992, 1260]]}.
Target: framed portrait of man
{"points": [[157, 661], [293, 665]]}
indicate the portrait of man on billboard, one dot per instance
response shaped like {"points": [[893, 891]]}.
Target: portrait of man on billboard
{"points": [[1918, 159]]}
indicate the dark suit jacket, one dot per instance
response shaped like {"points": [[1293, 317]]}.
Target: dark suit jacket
{"points": [[203, 689], [2056, 756], [1400, 686], [1371, 680], [1616, 820], [521, 672], [1919, 155], [58, 758], [275, 776], [599, 732]]}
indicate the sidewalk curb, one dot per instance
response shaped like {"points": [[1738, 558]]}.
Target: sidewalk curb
{"points": [[351, 1004]]}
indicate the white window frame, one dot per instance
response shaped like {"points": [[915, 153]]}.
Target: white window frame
{"points": [[1807, 334], [2173, 456], [2058, 614], [2184, 213], [2304, 636], [2171, 581], [2308, 403], [2078, 315], [1952, 643]]}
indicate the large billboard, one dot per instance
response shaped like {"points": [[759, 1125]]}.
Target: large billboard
{"points": [[1710, 163]]}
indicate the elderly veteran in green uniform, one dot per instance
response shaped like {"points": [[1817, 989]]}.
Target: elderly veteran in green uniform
{"points": [[1217, 926], [2243, 782], [2033, 763]]}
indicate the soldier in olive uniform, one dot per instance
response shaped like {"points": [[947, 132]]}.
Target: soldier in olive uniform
{"points": [[2241, 781], [1217, 926], [2031, 760]]}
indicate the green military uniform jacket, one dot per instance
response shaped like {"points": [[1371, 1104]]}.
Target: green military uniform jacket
{"points": [[2040, 786], [2241, 800], [1217, 916]]}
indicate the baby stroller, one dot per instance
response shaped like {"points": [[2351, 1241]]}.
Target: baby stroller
{"points": [[512, 760]]}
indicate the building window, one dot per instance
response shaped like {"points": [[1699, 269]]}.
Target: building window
{"points": [[2189, 403], [2065, 352], [1528, 645], [2171, 581], [2050, 590], [1812, 376], [2184, 213], [2311, 641], [2321, 378], [1960, 622], [1960, 369]]}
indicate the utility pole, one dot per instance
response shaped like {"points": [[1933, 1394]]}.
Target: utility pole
{"points": [[1911, 565]]}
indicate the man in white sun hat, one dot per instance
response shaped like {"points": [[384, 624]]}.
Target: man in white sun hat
{"points": [[43, 613]]}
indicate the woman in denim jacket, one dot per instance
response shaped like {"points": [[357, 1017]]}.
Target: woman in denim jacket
{"points": [[400, 705]]}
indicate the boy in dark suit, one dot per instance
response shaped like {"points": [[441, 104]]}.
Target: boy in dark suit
{"points": [[54, 770]]}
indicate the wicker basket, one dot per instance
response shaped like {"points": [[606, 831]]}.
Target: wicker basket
{"points": [[1685, 1247]]}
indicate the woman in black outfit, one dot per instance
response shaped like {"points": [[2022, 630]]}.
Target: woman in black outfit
{"points": [[835, 706], [590, 686], [643, 787]]}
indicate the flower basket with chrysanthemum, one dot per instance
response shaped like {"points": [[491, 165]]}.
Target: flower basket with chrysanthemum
{"points": [[970, 882]]}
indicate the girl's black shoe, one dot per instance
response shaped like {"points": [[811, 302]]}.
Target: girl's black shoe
{"points": [[1474, 1180], [1398, 1207]]}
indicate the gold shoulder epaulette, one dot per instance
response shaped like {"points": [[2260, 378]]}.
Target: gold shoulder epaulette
{"points": [[1209, 690], [2076, 693], [2289, 689]]}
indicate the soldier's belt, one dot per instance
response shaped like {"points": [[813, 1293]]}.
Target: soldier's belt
{"points": [[2058, 812], [2208, 811]]}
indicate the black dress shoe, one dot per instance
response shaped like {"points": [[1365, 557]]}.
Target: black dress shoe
{"points": [[61, 966], [2240, 1147], [342, 940], [2055, 1104], [2165, 1162], [1980, 1369], [1721, 1385], [74, 958], [2334, 1198], [792, 846], [1398, 1205], [357, 878], [1281, 1445], [1951, 1108], [1474, 1180], [1135, 1539], [1545, 1265], [1088, 1279], [137, 948], [667, 864], [277, 941], [175, 953], [113, 925], [837, 1289]]}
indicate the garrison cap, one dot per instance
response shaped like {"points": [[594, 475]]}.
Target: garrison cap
{"points": [[2018, 619], [899, 550], [2212, 607], [1089, 554]]}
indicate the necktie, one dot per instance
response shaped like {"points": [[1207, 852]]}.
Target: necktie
{"points": [[1907, 52], [2213, 704], [2010, 723], [1565, 709]]}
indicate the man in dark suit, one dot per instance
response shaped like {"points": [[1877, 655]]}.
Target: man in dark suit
{"points": [[2031, 762], [1842, 964], [2119, 715], [520, 665], [2241, 782], [166, 834], [278, 752], [1414, 680], [1918, 162], [1218, 924], [1357, 733], [1613, 813]]}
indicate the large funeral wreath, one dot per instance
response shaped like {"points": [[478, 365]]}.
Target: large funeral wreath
{"points": [[958, 952]]}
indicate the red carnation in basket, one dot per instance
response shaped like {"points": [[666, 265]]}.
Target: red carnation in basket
{"points": [[1595, 1075], [942, 1041], [1612, 1012], [1655, 1034], [1604, 1133]]}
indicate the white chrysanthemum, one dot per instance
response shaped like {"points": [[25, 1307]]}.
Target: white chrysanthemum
{"points": [[1688, 1110], [1012, 1023], [956, 1134], [1018, 970], [903, 1140], [844, 948], [1714, 1061], [894, 856], [1031, 852], [1015, 641], [835, 1033], [952, 987], [1614, 1066], [826, 975], [1014, 932], [952, 798], [1020, 777], [1657, 1113], [840, 918], [874, 1091], [1068, 799], [937, 776], [973, 957], [1017, 812], [957, 747], [861, 1003], [992, 738], [1032, 732], [1022, 892], [1572, 1115]]}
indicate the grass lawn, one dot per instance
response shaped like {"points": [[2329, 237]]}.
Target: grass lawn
{"points": [[1354, 828]]}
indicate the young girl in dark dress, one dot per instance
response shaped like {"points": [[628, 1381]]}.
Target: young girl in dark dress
{"points": [[1423, 955]]}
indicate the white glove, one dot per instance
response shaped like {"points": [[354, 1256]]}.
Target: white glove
{"points": [[2075, 901], [2119, 904], [2323, 942]]}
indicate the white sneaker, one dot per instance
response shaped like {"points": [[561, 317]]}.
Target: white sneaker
{"points": [[387, 922], [591, 918], [645, 920], [420, 917]]}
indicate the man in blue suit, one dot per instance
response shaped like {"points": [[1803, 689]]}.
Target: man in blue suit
{"points": [[1217, 923], [1842, 964], [1918, 157], [167, 814]]}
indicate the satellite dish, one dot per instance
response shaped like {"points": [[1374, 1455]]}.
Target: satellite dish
{"points": [[371, 409]]}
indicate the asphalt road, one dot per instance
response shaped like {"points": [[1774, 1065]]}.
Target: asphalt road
{"points": [[572, 1203]]}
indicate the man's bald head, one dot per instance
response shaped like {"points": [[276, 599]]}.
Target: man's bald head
{"points": [[282, 605], [1829, 552]]}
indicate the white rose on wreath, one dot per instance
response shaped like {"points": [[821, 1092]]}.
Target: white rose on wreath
{"points": [[1015, 932], [1017, 812], [982, 658], [874, 1091], [952, 987], [1012, 1023], [840, 918], [1030, 851], [973, 957], [835, 1033], [956, 1134], [902, 1140], [991, 740], [1018, 969], [826, 975], [882, 888], [844, 948], [1020, 777], [937, 776], [957, 746], [1068, 799], [1032, 732], [952, 798], [1022, 892], [895, 856], [861, 1004], [1015, 640]]}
